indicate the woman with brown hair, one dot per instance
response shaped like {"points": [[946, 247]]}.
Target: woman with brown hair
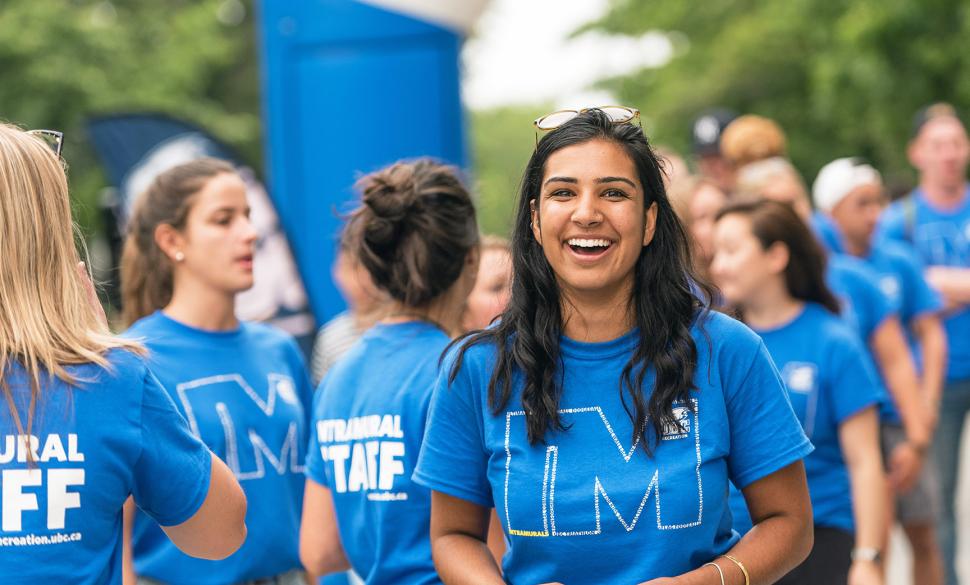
{"points": [[84, 424], [242, 386], [770, 268], [416, 235]]}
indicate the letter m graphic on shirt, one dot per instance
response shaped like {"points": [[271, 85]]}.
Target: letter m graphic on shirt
{"points": [[248, 429], [585, 482]]}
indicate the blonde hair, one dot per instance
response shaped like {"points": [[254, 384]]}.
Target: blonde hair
{"points": [[751, 138], [46, 319], [756, 176], [492, 242], [146, 272]]}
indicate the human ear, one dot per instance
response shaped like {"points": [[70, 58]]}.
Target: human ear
{"points": [[170, 241], [650, 223], [534, 214]]}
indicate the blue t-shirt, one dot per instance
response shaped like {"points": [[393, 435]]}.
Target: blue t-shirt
{"points": [[864, 306], [369, 422], [829, 378], [900, 279], [940, 238], [113, 435], [588, 505], [246, 393]]}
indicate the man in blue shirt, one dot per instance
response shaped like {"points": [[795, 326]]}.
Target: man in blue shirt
{"points": [[849, 196], [935, 220]]}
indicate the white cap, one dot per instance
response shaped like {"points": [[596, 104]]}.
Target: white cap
{"points": [[839, 178]]}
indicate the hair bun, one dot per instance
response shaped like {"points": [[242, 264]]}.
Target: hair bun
{"points": [[390, 197]]}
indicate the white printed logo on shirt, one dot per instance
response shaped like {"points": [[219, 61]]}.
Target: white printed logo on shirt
{"points": [[249, 441], [586, 474], [21, 487], [366, 454]]}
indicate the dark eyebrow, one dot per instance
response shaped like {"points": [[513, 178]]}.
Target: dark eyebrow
{"points": [[561, 180], [615, 179]]}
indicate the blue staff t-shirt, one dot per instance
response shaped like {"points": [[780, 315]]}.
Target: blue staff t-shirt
{"points": [[246, 393], [369, 421], [117, 433], [587, 504], [940, 238], [829, 378], [864, 306]]}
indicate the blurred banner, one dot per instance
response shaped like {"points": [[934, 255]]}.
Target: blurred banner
{"points": [[135, 148], [348, 87]]}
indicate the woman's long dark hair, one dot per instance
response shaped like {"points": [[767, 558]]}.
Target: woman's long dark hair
{"points": [[773, 222], [663, 304]]}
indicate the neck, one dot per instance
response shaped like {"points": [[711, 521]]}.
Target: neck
{"points": [[445, 312], [855, 247], [771, 307], [597, 317], [203, 308], [943, 194]]}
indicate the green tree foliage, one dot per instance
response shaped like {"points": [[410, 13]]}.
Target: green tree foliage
{"points": [[842, 77], [503, 140], [64, 60]]}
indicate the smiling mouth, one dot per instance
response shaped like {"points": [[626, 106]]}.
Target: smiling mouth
{"points": [[588, 246]]}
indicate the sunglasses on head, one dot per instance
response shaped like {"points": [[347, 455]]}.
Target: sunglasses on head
{"points": [[616, 114], [53, 139]]}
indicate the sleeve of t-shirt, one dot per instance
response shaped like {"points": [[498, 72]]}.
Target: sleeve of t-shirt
{"points": [[919, 297], [316, 466], [876, 306], [171, 476], [854, 384], [765, 434], [453, 458]]}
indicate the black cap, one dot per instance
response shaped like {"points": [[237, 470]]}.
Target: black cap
{"points": [[705, 133], [931, 112]]}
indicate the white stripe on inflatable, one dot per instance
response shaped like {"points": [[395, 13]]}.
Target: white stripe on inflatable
{"points": [[455, 14]]}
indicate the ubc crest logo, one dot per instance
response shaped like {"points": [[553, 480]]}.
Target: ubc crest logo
{"points": [[680, 428], [800, 376]]}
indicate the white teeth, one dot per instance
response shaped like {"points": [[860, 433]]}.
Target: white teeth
{"points": [[584, 243]]}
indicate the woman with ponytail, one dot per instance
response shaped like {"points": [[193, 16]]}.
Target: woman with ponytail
{"points": [[242, 386], [83, 422]]}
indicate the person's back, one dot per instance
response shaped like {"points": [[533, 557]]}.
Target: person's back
{"points": [[90, 447], [83, 423], [368, 459]]}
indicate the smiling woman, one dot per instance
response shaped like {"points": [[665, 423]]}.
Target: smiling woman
{"points": [[605, 384]]}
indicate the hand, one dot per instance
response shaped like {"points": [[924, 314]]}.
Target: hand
{"points": [[905, 463], [865, 573], [92, 295]]}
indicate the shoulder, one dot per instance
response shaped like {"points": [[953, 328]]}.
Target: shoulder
{"points": [[125, 370], [853, 271], [725, 339]]}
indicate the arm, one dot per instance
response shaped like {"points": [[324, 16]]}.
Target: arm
{"points": [[496, 538], [218, 527], [320, 549], [859, 439], [780, 540], [895, 362], [128, 575], [458, 535], [932, 342], [952, 282]]}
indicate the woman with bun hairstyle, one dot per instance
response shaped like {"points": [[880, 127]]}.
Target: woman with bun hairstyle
{"points": [[417, 236], [770, 268], [605, 412], [83, 423], [242, 386]]}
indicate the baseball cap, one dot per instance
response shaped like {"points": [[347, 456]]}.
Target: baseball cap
{"points": [[839, 178], [707, 128], [931, 112]]}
